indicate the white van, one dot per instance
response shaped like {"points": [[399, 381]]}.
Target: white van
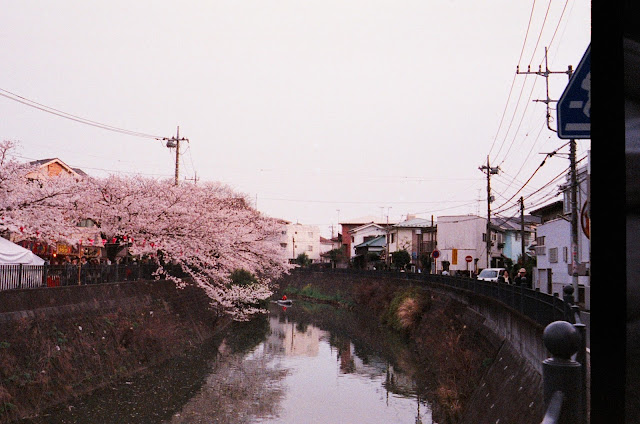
{"points": [[490, 274]]}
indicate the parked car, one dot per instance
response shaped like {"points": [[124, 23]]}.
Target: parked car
{"points": [[490, 274]]}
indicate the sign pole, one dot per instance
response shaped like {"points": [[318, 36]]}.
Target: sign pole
{"points": [[574, 218]]}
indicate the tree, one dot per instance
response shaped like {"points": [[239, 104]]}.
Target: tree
{"points": [[303, 259], [401, 258], [205, 231]]}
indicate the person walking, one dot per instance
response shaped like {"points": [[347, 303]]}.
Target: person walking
{"points": [[504, 278], [521, 278]]}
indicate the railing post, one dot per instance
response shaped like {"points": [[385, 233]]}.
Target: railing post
{"points": [[567, 296], [20, 276], [561, 373], [45, 273]]}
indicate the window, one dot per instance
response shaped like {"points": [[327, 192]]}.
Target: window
{"points": [[484, 237], [352, 239], [541, 250], [309, 248], [283, 245], [565, 254], [553, 255], [393, 238], [540, 241]]}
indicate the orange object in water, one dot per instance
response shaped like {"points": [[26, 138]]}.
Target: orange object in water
{"points": [[284, 297]]}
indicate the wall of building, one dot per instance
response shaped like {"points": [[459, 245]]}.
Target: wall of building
{"points": [[557, 235], [300, 238], [463, 233]]}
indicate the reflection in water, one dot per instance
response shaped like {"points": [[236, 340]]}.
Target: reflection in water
{"points": [[307, 364]]}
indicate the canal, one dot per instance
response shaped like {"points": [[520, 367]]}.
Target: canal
{"points": [[309, 363]]}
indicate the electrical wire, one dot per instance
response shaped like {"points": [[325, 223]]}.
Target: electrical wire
{"points": [[514, 79], [20, 99]]}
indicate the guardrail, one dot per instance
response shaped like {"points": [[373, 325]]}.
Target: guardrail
{"points": [[36, 276], [541, 307]]}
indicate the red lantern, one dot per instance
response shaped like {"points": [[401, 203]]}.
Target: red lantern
{"points": [[91, 242], [104, 241], [113, 240], [152, 244], [22, 229]]}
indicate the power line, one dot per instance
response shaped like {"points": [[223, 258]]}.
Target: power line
{"points": [[31, 103]]}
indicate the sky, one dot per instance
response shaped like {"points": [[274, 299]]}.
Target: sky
{"points": [[317, 111]]}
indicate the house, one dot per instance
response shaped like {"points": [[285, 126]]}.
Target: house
{"points": [[87, 233], [512, 248], [553, 244], [348, 225], [297, 238], [362, 234], [53, 168], [326, 245], [460, 236], [369, 252], [415, 235]]}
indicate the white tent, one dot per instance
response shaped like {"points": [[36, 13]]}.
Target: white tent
{"points": [[11, 253]]}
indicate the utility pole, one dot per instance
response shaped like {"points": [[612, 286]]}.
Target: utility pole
{"points": [[522, 227], [545, 74], [573, 172], [574, 218], [489, 171], [175, 142]]}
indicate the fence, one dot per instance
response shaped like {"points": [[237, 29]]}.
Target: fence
{"points": [[541, 307], [35, 276]]}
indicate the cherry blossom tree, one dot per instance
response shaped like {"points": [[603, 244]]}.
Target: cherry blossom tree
{"points": [[205, 231]]}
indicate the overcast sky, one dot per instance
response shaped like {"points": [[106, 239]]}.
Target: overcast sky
{"points": [[318, 110]]}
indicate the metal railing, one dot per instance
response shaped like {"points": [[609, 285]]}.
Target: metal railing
{"points": [[564, 374], [36, 276], [541, 307]]}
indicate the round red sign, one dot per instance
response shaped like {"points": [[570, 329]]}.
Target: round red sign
{"points": [[435, 254], [468, 258]]}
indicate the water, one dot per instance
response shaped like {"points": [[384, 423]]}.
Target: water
{"points": [[304, 364]]}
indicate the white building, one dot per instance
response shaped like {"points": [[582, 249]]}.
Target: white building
{"points": [[553, 244], [363, 233], [298, 238], [460, 236], [415, 235]]}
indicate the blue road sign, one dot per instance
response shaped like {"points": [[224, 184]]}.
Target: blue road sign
{"points": [[574, 106]]}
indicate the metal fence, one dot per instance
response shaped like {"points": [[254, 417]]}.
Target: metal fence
{"points": [[541, 307], [35, 276]]}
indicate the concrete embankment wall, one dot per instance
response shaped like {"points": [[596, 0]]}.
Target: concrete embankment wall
{"points": [[509, 388], [59, 342]]}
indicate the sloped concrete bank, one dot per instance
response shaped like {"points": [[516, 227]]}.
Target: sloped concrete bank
{"points": [[479, 358], [56, 343]]}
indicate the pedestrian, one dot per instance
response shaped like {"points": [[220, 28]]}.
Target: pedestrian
{"points": [[504, 277], [521, 278]]}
